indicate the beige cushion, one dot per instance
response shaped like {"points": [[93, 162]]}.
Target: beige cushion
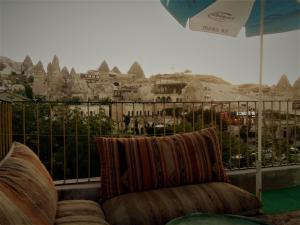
{"points": [[79, 212], [27, 193], [157, 207]]}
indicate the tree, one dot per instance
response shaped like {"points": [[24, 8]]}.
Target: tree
{"points": [[126, 120], [28, 91], [63, 136]]}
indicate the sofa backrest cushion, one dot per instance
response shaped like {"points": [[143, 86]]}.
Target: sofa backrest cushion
{"points": [[27, 193], [143, 163]]}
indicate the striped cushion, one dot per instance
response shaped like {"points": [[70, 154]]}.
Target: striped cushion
{"points": [[143, 163], [27, 193], [159, 206], [79, 212]]}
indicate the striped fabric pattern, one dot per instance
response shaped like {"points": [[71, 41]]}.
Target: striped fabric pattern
{"points": [[79, 212], [160, 206], [27, 193], [143, 163]]}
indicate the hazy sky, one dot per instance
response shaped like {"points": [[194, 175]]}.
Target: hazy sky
{"points": [[84, 33]]}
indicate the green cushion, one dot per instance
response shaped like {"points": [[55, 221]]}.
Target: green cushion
{"points": [[215, 219]]}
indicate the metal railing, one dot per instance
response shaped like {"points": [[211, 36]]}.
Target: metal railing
{"points": [[5, 127], [62, 133]]}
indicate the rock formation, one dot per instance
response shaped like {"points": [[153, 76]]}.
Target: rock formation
{"points": [[39, 86], [79, 86], [39, 69], [73, 73], [296, 89], [103, 68], [283, 84], [9, 64], [27, 64], [49, 69], [60, 84], [55, 66], [55, 80], [116, 70], [68, 83], [136, 70], [193, 92], [65, 72]]}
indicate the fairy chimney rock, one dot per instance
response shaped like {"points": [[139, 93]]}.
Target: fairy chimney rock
{"points": [[296, 88], [283, 84], [39, 69], [297, 84], [65, 71], [49, 69], [27, 63], [137, 70], [103, 68], [73, 72], [55, 65], [116, 70]]}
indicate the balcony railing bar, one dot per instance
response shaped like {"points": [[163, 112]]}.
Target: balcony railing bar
{"points": [[71, 147], [51, 138], [65, 150], [76, 145], [287, 128], [239, 141]]}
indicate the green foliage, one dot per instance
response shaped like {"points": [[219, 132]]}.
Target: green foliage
{"points": [[30, 79], [106, 100], [28, 91], [63, 137]]}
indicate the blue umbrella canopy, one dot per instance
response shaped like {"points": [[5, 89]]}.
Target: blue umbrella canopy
{"points": [[279, 15], [227, 17]]}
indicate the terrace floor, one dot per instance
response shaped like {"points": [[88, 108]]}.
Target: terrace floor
{"points": [[282, 206], [288, 218]]}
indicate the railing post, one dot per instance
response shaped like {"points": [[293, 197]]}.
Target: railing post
{"points": [[5, 127], [89, 141]]}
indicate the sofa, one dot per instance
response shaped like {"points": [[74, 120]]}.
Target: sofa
{"points": [[151, 180], [29, 197], [144, 181]]}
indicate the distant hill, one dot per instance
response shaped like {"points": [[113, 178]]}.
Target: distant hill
{"points": [[283, 84], [190, 77], [8, 66], [56, 83]]}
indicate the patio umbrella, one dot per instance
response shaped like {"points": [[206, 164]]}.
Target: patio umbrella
{"points": [[227, 17]]}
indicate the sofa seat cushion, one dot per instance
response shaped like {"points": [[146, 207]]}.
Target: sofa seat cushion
{"points": [[27, 193], [79, 212], [145, 163], [159, 206]]}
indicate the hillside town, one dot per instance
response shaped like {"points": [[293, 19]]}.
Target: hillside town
{"points": [[54, 83]]}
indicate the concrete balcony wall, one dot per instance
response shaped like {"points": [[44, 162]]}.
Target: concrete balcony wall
{"points": [[273, 178]]}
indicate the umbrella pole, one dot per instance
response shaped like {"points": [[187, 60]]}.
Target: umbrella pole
{"points": [[259, 162]]}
